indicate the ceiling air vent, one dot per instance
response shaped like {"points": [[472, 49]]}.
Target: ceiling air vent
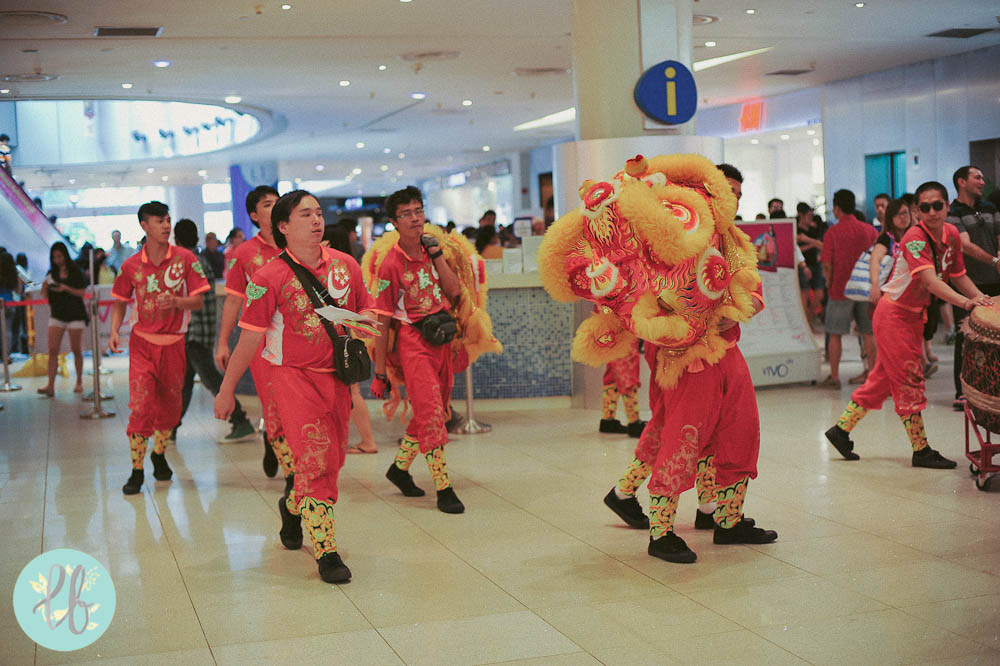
{"points": [[28, 78], [960, 33], [28, 18], [539, 71], [106, 31], [425, 56], [789, 72]]}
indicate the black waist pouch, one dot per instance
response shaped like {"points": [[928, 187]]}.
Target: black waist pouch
{"points": [[439, 328]]}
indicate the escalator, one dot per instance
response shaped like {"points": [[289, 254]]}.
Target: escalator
{"points": [[24, 227]]}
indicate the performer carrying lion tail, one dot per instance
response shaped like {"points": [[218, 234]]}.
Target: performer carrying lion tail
{"points": [[657, 250]]}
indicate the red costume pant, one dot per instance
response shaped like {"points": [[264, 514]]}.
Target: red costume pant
{"points": [[713, 411], [263, 381], [156, 379], [898, 370], [624, 373], [315, 411], [427, 373]]}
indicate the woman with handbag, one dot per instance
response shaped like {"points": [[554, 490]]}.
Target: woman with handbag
{"points": [[314, 403]]}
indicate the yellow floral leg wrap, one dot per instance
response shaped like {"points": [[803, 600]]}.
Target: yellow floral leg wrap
{"points": [[662, 511], [137, 444], [635, 476], [705, 480], [631, 401], [284, 454], [914, 424], [852, 414], [439, 467], [609, 402], [317, 516], [408, 450], [730, 508], [161, 438]]}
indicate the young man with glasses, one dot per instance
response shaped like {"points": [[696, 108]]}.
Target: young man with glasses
{"points": [[414, 282], [931, 255], [978, 225]]}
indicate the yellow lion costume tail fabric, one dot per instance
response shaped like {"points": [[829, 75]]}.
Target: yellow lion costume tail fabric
{"points": [[657, 249], [475, 327]]}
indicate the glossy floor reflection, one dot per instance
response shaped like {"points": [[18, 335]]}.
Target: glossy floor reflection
{"points": [[877, 562]]}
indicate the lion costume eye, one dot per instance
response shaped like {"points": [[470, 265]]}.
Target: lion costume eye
{"points": [[687, 217]]}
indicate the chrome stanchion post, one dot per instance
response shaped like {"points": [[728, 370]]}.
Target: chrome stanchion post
{"points": [[471, 426], [7, 386], [97, 412]]}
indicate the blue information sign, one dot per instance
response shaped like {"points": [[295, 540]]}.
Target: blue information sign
{"points": [[666, 92]]}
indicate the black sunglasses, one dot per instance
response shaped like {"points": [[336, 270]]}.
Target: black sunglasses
{"points": [[926, 207]]}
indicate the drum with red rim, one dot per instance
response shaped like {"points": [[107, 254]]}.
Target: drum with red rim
{"points": [[981, 365]]}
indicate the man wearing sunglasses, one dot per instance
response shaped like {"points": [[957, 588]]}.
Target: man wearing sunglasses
{"points": [[931, 255], [978, 224]]}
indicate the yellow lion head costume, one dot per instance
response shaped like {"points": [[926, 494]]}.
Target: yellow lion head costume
{"points": [[657, 250]]}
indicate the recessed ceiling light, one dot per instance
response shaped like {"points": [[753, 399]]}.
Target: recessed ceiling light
{"points": [[406, 1], [126, 86], [557, 118], [786, 137], [402, 156], [72, 181], [202, 172], [345, 83], [387, 150], [859, 5], [486, 149], [359, 144], [233, 99], [150, 169], [815, 142], [393, 179], [810, 132], [356, 171], [161, 63], [751, 11], [164, 178], [320, 167], [382, 68], [286, 7], [384, 167], [4, 91], [755, 141], [399, 173], [418, 95], [466, 102], [710, 44]]}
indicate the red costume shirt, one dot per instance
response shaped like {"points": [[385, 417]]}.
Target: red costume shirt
{"points": [[408, 288], [903, 286], [842, 246], [180, 273], [244, 261], [278, 306]]}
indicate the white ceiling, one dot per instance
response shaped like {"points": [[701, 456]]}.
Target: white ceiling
{"points": [[289, 63]]}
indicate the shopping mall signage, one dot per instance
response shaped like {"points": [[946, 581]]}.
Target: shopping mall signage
{"points": [[666, 92]]}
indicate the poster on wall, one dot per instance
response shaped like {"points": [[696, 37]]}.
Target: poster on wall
{"points": [[777, 343]]}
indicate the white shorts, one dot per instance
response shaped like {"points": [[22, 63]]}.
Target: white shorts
{"points": [[77, 325]]}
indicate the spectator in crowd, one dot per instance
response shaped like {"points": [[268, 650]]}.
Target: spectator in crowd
{"points": [[488, 243], [234, 238], [810, 242], [471, 233], [105, 274], [64, 287], [10, 288], [119, 251], [5, 150], [355, 248], [213, 254], [38, 202], [842, 245], [776, 209], [978, 224], [450, 227], [881, 203], [760, 216], [19, 332], [489, 219], [549, 214]]}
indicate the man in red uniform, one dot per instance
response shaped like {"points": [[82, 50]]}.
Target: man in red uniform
{"points": [[166, 282], [245, 261], [932, 253], [314, 405], [621, 380], [414, 282]]}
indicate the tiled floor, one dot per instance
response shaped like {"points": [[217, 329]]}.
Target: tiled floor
{"points": [[877, 562]]}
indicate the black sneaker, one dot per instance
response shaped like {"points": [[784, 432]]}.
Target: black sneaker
{"points": [[270, 460], [928, 457], [332, 569], [291, 527], [841, 441], [628, 510], [240, 430], [404, 481], [671, 548], [612, 426], [635, 429], [448, 501], [958, 405], [704, 521], [743, 532], [134, 483], [161, 470]]}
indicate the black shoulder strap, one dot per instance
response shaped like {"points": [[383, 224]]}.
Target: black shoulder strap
{"points": [[930, 241], [314, 289]]}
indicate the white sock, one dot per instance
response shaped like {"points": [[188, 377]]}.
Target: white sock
{"points": [[620, 495], [708, 507]]}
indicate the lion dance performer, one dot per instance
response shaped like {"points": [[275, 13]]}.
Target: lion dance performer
{"points": [[621, 380], [657, 250]]}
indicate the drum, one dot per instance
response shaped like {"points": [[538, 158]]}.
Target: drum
{"points": [[981, 365]]}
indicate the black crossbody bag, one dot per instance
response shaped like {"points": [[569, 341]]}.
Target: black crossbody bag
{"points": [[934, 309], [350, 356]]}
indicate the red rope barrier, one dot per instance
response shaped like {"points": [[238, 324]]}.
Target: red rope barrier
{"points": [[12, 304]]}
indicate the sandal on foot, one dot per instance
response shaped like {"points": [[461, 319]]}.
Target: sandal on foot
{"points": [[359, 448]]}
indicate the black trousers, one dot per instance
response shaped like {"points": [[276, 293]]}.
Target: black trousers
{"points": [[960, 315], [202, 361]]}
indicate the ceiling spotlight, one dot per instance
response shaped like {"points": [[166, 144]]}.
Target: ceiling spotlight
{"points": [[418, 95], [755, 141], [356, 171], [859, 5], [466, 102], [320, 167], [815, 142], [233, 99], [126, 86], [72, 181], [406, 0], [150, 169], [4, 91], [402, 156], [384, 167], [345, 83], [74, 199], [709, 44], [359, 144], [486, 149], [387, 150], [161, 63], [202, 172], [382, 68], [164, 178], [751, 11], [286, 7], [786, 137], [810, 132]]}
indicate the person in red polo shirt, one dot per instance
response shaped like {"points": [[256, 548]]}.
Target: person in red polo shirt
{"points": [[166, 282], [413, 283], [931, 254], [314, 405], [244, 261]]}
